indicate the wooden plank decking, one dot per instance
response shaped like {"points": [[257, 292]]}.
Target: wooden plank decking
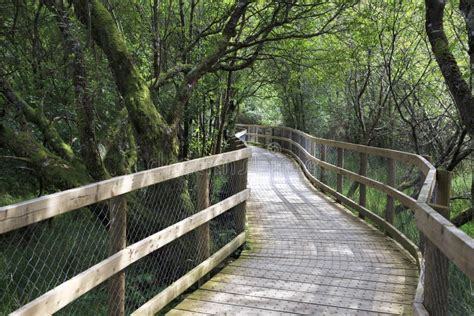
{"points": [[307, 255]]}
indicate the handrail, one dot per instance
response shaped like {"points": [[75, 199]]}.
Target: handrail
{"points": [[32, 211], [26, 213], [240, 134], [451, 241]]}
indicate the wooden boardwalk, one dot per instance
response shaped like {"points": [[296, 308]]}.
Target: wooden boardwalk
{"points": [[307, 255]]}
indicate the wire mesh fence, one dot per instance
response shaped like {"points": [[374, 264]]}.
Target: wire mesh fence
{"points": [[403, 176], [39, 257]]}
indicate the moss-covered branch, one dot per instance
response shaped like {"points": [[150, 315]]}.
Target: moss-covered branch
{"points": [[164, 77], [52, 169], [38, 118]]}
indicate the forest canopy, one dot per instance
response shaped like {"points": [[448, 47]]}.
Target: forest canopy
{"points": [[94, 89]]}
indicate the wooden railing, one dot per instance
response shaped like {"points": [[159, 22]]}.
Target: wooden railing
{"points": [[442, 241], [13, 217]]}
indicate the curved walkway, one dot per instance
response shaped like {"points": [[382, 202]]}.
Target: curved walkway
{"points": [[307, 255]]}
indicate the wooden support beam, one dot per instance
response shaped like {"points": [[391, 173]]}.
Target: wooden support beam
{"points": [[118, 241], [390, 209], [340, 164], [203, 237], [362, 187], [323, 158], [241, 214], [436, 264]]}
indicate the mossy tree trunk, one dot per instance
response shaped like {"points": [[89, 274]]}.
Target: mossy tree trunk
{"points": [[155, 138]]}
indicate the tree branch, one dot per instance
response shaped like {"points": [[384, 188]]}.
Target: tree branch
{"points": [[464, 217], [185, 90], [38, 118], [53, 169], [164, 77]]}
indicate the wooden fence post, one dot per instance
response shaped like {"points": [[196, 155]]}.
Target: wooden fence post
{"points": [[241, 174], [390, 209], [362, 187], [268, 135], [312, 165], [203, 203], [323, 158], [340, 164], [202, 232], [436, 264], [118, 241], [239, 183]]}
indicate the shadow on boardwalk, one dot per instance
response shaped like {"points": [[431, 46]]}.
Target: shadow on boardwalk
{"points": [[307, 255]]}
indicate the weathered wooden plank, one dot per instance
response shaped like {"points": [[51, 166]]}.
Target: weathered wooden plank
{"points": [[225, 309], [177, 288], [28, 212], [272, 276], [328, 269], [330, 262], [331, 298], [181, 312], [280, 305], [343, 274], [70, 290], [390, 297]]}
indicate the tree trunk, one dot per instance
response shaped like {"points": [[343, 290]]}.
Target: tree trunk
{"points": [[157, 143], [83, 99], [458, 87]]}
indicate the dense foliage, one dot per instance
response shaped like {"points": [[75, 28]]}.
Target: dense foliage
{"points": [[91, 89]]}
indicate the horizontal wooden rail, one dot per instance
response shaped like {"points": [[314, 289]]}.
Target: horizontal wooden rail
{"points": [[177, 288], [25, 213], [402, 156], [240, 134], [452, 242], [55, 299], [396, 194]]}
